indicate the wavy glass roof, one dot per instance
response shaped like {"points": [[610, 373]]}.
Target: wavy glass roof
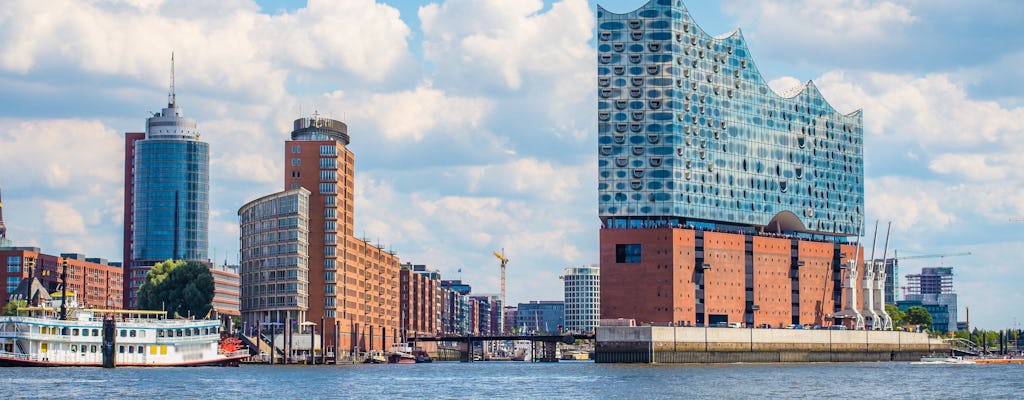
{"points": [[689, 131]]}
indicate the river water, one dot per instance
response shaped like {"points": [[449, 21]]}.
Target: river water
{"points": [[512, 380]]}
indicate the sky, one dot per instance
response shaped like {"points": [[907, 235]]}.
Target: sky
{"points": [[473, 121]]}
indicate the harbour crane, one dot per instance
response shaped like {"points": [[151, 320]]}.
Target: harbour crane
{"points": [[504, 262]]}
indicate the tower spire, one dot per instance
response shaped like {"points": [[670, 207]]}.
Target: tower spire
{"points": [[170, 94], [3, 229]]}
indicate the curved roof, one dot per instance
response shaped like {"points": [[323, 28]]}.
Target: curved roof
{"points": [[807, 88]]}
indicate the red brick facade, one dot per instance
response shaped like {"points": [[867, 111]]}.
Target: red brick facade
{"points": [[95, 284], [685, 276]]}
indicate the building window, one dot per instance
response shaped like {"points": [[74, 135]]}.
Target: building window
{"points": [[296, 149], [328, 302], [330, 200], [330, 212], [329, 289], [330, 226], [329, 251], [296, 186], [328, 150], [296, 162], [328, 175], [326, 188], [328, 163], [627, 253], [330, 238]]}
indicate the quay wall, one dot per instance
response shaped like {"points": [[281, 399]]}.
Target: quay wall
{"points": [[655, 344]]}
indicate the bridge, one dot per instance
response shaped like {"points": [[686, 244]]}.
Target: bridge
{"points": [[549, 342]]}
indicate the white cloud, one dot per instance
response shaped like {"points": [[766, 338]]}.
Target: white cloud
{"points": [[414, 114], [62, 218], [62, 154]]}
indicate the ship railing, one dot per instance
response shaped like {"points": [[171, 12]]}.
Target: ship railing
{"points": [[17, 356]]}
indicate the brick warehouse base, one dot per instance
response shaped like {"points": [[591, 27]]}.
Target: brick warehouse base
{"points": [[727, 345]]}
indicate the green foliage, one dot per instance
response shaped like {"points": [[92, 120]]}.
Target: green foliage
{"points": [[917, 315], [12, 307], [178, 287], [896, 315]]}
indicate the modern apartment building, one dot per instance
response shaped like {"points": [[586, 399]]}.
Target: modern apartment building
{"points": [[274, 268], [720, 199], [582, 287], [353, 283], [226, 292], [933, 290], [166, 196]]}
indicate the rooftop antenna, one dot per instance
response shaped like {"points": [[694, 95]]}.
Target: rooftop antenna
{"points": [[171, 101]]}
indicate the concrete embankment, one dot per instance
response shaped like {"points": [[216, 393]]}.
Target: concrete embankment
{"points": [[655, 344]]}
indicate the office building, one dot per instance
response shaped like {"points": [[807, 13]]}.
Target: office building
{"points": [[720, 199], [542, 317], [166, 196], [933, 290], [457, 315], [353, 283], [582, 298]]}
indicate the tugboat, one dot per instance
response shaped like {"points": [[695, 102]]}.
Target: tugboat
{"points": [[401, 353]]}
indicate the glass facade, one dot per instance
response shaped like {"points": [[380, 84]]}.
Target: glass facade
{"points": [[689, 132], [172, 186], [274, 270]]}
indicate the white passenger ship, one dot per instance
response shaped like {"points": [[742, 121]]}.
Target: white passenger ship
{"points": [[38, 337]]}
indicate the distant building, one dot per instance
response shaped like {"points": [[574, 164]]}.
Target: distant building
{"points": [[226, 293], [95, 282], [166, 196], [933, 290], [582, 298], [458, 316], [482, 306], [541, 317], [419, 301], [509, 315], [274, 270]]}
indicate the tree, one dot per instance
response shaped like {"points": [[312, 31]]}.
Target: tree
{"points": [[917, 315], [12, 307], [178, 287], [896, 315]]}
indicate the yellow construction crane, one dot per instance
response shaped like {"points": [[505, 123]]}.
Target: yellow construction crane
{"points": [[504, 261], [936, 255]]}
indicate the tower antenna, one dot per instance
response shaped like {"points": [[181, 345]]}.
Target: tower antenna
{"points": [[170, 94]]}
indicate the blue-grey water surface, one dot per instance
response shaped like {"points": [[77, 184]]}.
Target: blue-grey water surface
{"points": [[511, 380]]}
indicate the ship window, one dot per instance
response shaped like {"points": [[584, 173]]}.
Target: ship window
{"points": [[140, 349], [159, 333], [74, 332], [122, 333], [163, 349], [188, 332], [131, 349], [95, 332], [152, 350], [85, 332], [43, 347], [178, 333], [74, 348], [92, 349], [131, 333]]}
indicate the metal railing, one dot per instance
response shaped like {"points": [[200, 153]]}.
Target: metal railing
{"points": [[966, 346]]}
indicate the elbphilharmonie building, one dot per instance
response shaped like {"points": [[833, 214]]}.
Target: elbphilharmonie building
{"points": [[720, 199]]}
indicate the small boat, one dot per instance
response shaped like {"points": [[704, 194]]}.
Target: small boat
{"points": [[421, 356], [943, 360], [375, 357], [401, 353]]}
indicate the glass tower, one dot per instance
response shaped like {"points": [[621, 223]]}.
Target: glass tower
{"points": [[170, 194], [690, 133]]}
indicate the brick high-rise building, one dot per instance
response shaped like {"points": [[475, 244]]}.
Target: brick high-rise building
{"points": [[353, 284], [720, 200], [95, 282]]}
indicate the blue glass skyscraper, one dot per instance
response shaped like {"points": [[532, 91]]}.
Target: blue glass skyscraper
{"points": [[167, 187]]}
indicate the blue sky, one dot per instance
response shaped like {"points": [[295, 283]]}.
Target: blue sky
{"points": [[473, 120]]}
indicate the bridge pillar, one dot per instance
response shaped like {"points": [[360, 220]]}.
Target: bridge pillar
{"points": [[466, 351], [550, 352]]}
